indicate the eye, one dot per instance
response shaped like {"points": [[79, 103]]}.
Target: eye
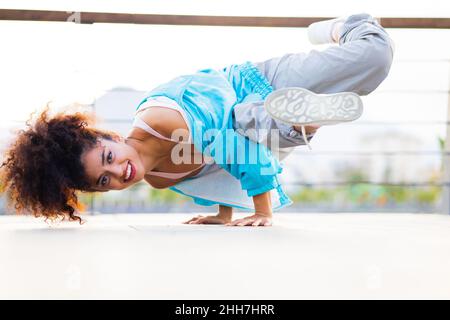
{"points": [[109, 157], [103, 180]]}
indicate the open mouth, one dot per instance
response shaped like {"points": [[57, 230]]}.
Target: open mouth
{"points": [[130, 172]]}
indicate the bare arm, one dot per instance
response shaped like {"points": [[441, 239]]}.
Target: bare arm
{"points": [[263, 212], [263, 205], [225, 213]]}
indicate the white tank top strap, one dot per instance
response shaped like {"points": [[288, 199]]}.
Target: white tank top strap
{"points": [[139, 123], [160, 102]]}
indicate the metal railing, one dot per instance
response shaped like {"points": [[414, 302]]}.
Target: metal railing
{"points": [[197, 20], [444, 183]]}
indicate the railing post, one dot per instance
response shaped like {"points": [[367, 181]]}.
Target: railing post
{"points": [[446, 158]]}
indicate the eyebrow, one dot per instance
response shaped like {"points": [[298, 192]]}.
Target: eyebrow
{"points": [[103, 163]]}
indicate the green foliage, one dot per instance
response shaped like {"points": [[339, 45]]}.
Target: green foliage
{"points": [[428, 195], [441, 142], [165, 196], [313, 195], [366, 194]]}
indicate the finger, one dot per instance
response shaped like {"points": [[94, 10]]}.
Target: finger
{"points": [[201, 221], [196, 220], [257, 222], [235, 222], [245, 222]]}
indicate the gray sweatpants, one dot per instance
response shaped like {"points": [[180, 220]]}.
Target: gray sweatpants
{"points": [[359, 64]]}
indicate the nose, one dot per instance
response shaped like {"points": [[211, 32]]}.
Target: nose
{"points": [[116, 170]]}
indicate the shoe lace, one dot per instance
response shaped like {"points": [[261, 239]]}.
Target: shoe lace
{"points": [[305, 137]]}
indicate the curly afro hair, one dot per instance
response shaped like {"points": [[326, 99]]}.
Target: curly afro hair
{"points": [[42, 169]]}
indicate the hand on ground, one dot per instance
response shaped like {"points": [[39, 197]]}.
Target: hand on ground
{"points": [[255, 220], [206, 220]]}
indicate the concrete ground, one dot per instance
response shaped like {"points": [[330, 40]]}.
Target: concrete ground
{"points": [[153, 256]]}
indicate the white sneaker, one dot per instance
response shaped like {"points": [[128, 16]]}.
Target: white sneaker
{"points": [[301, 107], [322, 32]]}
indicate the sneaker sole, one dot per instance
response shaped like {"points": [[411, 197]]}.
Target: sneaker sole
{"points": [[299, 106]]}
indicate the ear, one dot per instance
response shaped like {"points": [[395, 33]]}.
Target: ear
{"points": [[118, 138]]}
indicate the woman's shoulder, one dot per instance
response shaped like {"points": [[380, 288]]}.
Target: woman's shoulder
{"points": [[163, 120]]}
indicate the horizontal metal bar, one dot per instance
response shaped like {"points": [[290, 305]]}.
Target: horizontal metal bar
{"points": [[426, 60], [200, 20], [368, 153], [362, 182], [357, 123], [396, 123], [141, 185], [410, 91]]}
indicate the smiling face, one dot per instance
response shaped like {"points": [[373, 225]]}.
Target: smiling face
{"points": [[112, 165]]}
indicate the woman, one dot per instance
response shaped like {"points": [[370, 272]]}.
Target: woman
{"points": [[220, 116]]}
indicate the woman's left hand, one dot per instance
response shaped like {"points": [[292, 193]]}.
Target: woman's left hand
{"points": [[255, 220]]}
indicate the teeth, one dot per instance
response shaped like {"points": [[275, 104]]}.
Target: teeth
{"points": [[128, 172]]}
